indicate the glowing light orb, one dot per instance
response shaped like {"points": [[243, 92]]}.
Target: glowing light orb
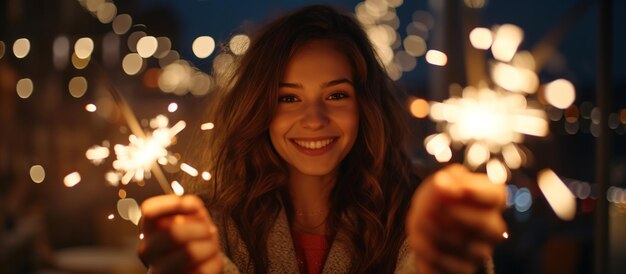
{"points": [[481, 38], [560, 93], [203, 46], [436, 58], [72, 179], [83, 47], [559, 196], [21, 48], [177, 188], [37, 173], [24, 88], [207, 126]]}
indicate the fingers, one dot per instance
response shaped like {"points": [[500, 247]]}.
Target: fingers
{"points": [[156, 210], [455, 220], [179, 236], [456, 183]]}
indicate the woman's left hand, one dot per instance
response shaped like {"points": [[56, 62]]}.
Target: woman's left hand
{"points": [[455, 220]]}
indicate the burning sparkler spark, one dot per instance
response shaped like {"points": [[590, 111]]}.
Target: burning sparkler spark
{"points": [[71, 179], [178, 189], [135, 160], [491, 121], [96, 154]]}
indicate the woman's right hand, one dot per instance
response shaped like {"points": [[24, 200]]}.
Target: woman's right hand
{"points": [[179, 236]]}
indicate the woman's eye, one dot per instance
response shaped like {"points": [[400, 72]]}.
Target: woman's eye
{"points": [[288, 99], [338, 96]]}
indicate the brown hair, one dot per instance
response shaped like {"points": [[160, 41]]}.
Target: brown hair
{"points": [[375, 183]]}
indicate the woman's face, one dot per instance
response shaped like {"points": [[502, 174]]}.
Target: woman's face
{"points": [[317, 119]]}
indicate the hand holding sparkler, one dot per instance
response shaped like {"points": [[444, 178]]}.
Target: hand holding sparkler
{"points": [[454, 221], [179, 236]]}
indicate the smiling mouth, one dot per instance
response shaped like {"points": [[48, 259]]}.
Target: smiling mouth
{"points": [[314, 144]]}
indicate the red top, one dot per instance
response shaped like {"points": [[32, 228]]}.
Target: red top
{"points": [[311, 251]]}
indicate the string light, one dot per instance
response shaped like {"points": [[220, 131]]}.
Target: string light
{"points": [[24, 88], [37, 173], [203, 46], [77, 86], [436, 58], [21, 47], [71, 179]]}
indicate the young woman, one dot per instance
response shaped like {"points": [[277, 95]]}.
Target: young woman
{"points": [[310, 171]]}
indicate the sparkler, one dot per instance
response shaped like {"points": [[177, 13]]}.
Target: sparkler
{"points": [[136, 160], [491, 120], [490, 124]]}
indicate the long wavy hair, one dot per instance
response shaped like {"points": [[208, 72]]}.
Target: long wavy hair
{"points": [[375, 181]]}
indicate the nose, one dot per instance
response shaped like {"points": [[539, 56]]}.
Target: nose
{"points": [[315, 116]]}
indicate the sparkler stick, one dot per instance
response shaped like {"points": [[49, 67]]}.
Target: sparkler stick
{"points": [[134, 126]]}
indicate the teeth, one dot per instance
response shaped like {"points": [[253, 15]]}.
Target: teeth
{"points": [[314, 144]]}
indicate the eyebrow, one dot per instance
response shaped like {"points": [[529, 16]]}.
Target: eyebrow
{"points": [[324, 85]]}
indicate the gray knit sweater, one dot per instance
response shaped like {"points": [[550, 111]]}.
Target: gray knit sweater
{"points": [[282, 255]]}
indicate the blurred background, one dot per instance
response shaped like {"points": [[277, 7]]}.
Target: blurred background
{"points": [[71, 71]]}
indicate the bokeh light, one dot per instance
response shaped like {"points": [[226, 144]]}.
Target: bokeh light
{"points": [[122, 23], [436, 58], [129, 210], [506, 40], [106, 12], [77, 86], [163, 48], [71, 179], [79, 63], [189, 169], [481, 38], [557, 194], [201, 83], [206, 175], [21, 47], [560, 93], [147, 46], [97, 154], [405, 61], [172, 107], [133, 39], [83, 47], [92, 5], [515, 79], [24, 88], [175, 78], [239, 44], [2, 49], [476, 4], [203, 46], [169, 58], [132, 63], [37, 173], [523, 200], [177, 188], [91, 108], [419, 108], [414, 45], [497, 171], [60, 52], [207, 126]]}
